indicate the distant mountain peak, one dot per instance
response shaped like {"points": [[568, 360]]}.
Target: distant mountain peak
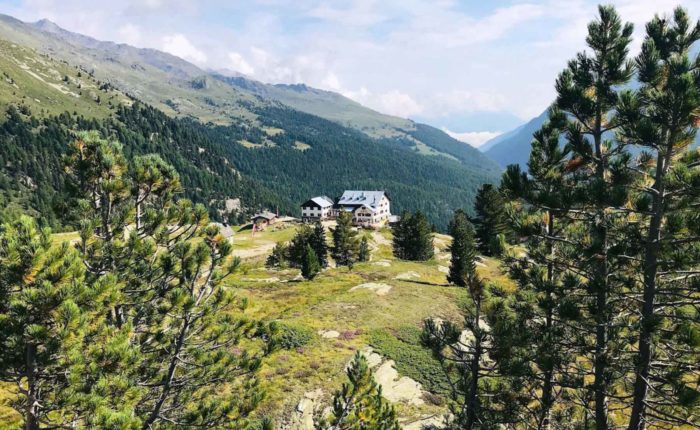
{"points": [[48, 25], [300, 87]]}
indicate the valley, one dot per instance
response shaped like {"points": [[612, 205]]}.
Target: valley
{"points": [[195, 236]]}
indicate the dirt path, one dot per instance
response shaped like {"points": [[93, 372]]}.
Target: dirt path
{"points": [[257, 251], [379, 239]]}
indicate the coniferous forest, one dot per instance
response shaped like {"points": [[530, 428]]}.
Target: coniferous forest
{"points": [[563, 296], [214, 166]]}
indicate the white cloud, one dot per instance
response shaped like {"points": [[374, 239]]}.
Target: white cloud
{"points": [[178, 44], [398, 104], [239, 64], [331, 82], [475, 139], [130, 34], [358, 13], [445, 103], [441, 27], [392, 102]]}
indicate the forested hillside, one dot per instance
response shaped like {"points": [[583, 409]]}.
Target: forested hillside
{"points": [[32, 177], [279, 170]]}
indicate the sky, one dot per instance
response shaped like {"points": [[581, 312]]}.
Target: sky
{"points": [[473, 68]]}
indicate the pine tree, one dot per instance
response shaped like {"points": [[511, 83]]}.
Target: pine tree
{"points": [[359, 404], [314, 237], [463, 258], [401, 235], [49, 316], [318, 243], [345, 243], [296, 250], [310, 266], [172, 308], [538, 346], [490, 220], [155, 183], [480, 398], [422, 249], [413, 238], [279, 257], [587, 94], [363, 254], [661, 117]]}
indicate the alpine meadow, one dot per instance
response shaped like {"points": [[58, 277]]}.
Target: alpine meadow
{"points": [[312, 216]]}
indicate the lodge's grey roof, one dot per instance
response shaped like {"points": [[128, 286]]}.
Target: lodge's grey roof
{"points": [[323, 201], [357, 198]]}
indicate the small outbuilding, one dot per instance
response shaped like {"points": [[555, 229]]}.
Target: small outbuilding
{"points": [[263, 219]]}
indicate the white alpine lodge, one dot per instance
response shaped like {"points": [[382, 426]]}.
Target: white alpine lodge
{"points": [[368, 208]]}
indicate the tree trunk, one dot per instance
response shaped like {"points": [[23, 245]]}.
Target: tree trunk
{"points": [[601, 283], [32, 410], [600, 364], [644, 356], [473, 397], [168, 377], [544, 421]]}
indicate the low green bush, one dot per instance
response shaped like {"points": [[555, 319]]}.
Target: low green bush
{"points": [[412, 360], [294, 336]]}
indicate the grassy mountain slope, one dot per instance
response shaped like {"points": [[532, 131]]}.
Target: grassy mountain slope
{"points": [[326, 104], [167, 82], [421, 138], [32, 178], [313, 156], [316, 156], [52, 87]]}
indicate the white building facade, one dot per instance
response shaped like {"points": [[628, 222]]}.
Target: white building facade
{"points": [[317, 209]]}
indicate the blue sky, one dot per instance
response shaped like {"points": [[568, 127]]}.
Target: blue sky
{"points": [[473, 68]]}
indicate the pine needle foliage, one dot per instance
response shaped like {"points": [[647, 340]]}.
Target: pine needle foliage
{"points": [[359, 403], [413, 237], [345, 243], [171, 306]]}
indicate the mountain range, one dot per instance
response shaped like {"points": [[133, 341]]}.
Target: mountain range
{"points": [[283, 142]]}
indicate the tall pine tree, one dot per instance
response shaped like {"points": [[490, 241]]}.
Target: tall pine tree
{"points": [[51, 320], [319, 244], [479, 397], [661, 117], [310, 265], [413, 237], [541, 348], [587, 94], [490, 220], [345, 243], [363, 253]]}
